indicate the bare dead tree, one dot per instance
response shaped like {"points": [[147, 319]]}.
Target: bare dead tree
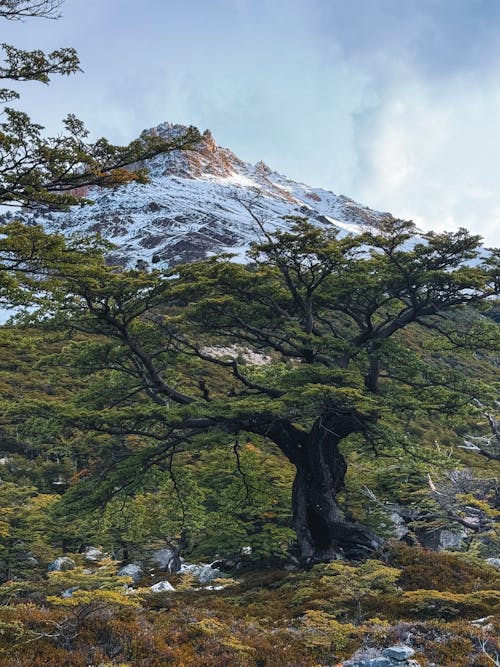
{"points": [[486, 445]]}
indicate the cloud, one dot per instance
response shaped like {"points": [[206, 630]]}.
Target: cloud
{"points": [[391, 102], [432, 37], [426, 116], [431, 151]]}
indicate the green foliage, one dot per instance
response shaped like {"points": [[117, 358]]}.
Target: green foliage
{"points": [[355, 586], [214, 504], [168, 510], [23, 529], [322, 629], [247, 502], [424, 604], [143, 376]]}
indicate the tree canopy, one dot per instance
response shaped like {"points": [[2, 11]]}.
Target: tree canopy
{"points": [[305, 346]]}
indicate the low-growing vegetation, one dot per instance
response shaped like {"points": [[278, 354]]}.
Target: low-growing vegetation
{"points": [[269, 617]]}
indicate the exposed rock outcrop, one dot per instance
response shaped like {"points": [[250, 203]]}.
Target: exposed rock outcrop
{"points": [[393, 656], [61, 564]]}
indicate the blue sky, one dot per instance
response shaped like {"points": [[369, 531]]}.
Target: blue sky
{"points": [[395, 103]]}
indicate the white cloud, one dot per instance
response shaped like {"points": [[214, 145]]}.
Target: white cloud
{"points": [[397, 106], [431, 152]]}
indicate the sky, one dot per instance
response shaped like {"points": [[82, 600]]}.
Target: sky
{"points": [[395, 103]]}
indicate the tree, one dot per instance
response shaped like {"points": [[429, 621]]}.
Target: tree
{"points": [[339, 321], [17, 10], [54, 172], [23, 529], [337, 310]]}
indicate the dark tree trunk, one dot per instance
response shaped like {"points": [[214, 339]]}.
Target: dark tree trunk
{"points": [[322, 531], [373, 374]]}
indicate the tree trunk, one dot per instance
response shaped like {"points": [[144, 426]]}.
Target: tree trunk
{"points": [[322, 531], [373, 374]]}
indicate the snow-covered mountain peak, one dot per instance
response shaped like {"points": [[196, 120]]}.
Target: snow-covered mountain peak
{"points": [[200, 202], [207, 159]]}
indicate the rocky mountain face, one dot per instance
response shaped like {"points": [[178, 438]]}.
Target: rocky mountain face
{"points": [[199, 203]]}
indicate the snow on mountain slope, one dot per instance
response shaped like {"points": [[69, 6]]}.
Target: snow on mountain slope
{"points": [[196, 204]]}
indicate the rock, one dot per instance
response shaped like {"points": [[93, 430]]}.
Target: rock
{"points": [[246, 551], [93, 554], [203, 573], [370, 662], [399, 523], [494, 561], [61, 564], [162, 557], [161, 587], [394, 656], [131, 570], [451, 540], [398, 653], [167, 559], [441, 539], [68, 593]]}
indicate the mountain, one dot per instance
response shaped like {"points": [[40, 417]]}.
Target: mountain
{"points": [[199, 203]]}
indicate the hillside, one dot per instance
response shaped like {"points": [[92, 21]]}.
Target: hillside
{"points": [[170, 498], [244, 421]]}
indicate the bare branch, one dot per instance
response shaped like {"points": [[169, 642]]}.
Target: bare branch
{"points": [[18, 10]]}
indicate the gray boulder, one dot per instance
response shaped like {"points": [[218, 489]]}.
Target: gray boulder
{"points": [[93, 554], [161, 587], [167, 559], [61, 564], [441, 539], [370, 662], [203, 573], [68, 593], [451, 540], [393, 656], [162, 557], [399, 524], [399, 653], [494, 561], [131, 570]]}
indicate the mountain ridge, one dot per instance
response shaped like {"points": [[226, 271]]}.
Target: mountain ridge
{"points": [[199, 203]]}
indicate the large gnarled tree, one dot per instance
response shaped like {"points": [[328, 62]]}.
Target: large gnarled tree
{"points": [[167, 351]]}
